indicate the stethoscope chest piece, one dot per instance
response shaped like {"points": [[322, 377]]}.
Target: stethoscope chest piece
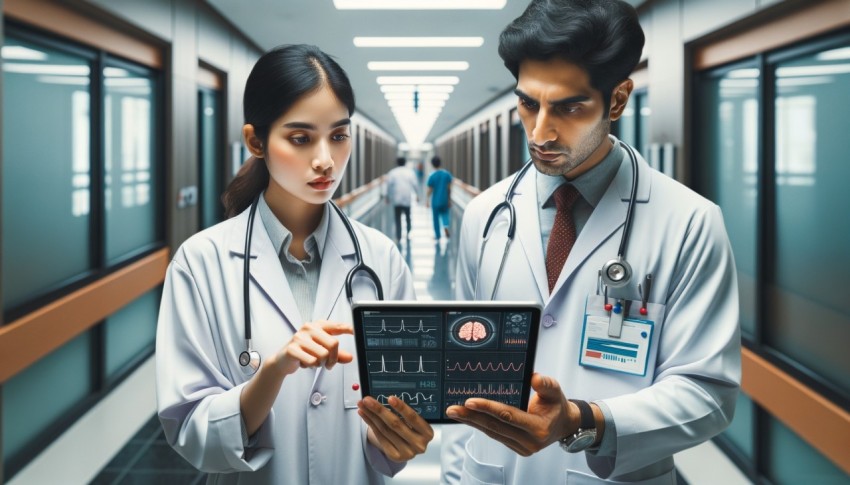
{"points": [[616, 273], [250, 361]]}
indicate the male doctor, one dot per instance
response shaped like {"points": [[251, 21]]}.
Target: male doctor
{"points": [[651, 367]]}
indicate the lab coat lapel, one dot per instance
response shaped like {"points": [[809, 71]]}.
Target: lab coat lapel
{"points": [[528, 230], [337, 260], [266, 270], [608, 216]]}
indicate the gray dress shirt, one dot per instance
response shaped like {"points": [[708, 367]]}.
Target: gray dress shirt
{"points": [[302, 275]]}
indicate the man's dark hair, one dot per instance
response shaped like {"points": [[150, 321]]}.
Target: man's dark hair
{"points": [[603, 37], [401, 161], [435, 161]]}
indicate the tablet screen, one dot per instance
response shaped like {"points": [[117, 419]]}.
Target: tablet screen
{"points": [[436, 354]]}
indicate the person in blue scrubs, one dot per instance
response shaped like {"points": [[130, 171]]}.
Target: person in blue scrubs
{"points": [[440, 197], [299, 418]]}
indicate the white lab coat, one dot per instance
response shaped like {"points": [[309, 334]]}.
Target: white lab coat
{"points": [[201, 333], [402, 186], [689, 391]]}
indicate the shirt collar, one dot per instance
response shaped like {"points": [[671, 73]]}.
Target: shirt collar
{"points": [[591, 184], [281, 237]]}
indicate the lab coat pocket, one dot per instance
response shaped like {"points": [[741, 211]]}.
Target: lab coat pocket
{"points": [[351, 385], [623, 339], [478, 473], [577, 478]]}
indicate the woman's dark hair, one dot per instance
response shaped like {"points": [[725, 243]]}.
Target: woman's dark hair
{"points": [[278, 80], [604, 37]]}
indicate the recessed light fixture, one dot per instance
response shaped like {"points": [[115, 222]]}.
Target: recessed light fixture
{"points": [[418, 79], [409, 88], [418, 65], [419, 4], [423, 96], [418, 41], [404, 103]]}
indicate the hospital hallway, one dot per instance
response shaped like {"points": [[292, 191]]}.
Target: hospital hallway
{"points": [[127, 127]]}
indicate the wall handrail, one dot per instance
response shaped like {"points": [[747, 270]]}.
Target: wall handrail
{"points": [[29, 338]]}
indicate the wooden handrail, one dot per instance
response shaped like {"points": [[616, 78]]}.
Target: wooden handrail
{"points": [[813, 417], [473, 191], [31, 337], [350, 197]]}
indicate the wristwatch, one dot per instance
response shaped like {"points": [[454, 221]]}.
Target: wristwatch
{"points": [[585, 435]]}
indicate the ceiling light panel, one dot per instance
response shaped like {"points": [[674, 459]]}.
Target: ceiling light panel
{"points": [[430, 103], [418, 41], [409, 88], [419, 4], [422, 96], [418, 80], [418, 66]]}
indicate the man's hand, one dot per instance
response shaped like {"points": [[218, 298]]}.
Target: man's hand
{"points": [[550, 417], [401, 435]]}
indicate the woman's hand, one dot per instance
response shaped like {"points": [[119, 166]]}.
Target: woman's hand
{"points": [[313, 345], [400, 435]]}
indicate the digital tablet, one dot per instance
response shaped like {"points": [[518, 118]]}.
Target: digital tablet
{"points": [[436, 354]]}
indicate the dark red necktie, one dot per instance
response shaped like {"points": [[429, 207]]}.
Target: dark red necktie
{"points": [[563, 234]]}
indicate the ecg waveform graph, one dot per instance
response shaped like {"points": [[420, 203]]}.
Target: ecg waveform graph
{"points": [[412, 399], [508, 393], [411, 366], [485, 366], [401, 327]]}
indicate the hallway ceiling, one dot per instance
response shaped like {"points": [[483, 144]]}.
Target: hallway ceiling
{"points": [[273, 22]]}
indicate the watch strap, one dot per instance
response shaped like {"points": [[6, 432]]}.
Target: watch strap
{"points": [[587, 421]]}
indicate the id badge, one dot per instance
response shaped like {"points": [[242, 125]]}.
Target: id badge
{"points": [[628, 353]]}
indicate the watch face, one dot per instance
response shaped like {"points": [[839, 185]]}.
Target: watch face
{"points": [[581, 441]]}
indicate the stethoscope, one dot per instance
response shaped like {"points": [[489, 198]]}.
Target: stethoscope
{"points": [[615, 273], [250, 359]]}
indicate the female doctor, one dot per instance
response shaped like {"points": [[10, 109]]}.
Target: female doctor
{"points": [[299, 417]]}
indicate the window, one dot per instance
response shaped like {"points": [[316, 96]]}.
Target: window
{"points": [[810, 321], [130, 171], [81, 184], [130, 333], [47, 169], [729, 110], [770, 151], [633, 125], [45, 393], [211, 156]]}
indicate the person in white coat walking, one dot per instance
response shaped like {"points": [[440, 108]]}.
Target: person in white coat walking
{"points": [[299, 417], [650, 361], [401, 188]]}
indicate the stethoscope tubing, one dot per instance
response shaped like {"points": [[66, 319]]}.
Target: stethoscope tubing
{"points": [[250, 355], [508, 205]]}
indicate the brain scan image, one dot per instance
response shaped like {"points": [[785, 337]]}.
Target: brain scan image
{"points": [[472, 331]]}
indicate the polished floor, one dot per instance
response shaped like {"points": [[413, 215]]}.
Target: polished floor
{"points": [[147, 458]]}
